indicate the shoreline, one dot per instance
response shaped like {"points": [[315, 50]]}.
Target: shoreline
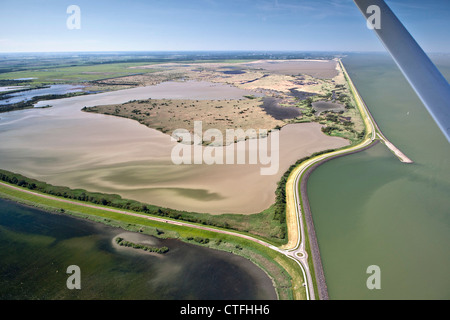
{"points": [[396, 151], [375, 136]]}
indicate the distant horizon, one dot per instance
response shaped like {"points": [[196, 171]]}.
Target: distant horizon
{"points": [[191, 26], [210, 51]]}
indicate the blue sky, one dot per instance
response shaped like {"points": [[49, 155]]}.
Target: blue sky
{"points": [[178, 25]]}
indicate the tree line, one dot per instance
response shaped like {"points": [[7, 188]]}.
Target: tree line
{"points": [[110, 200]]}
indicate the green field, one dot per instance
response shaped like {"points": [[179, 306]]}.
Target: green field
{"points": [[77, 74], [78, 70]]}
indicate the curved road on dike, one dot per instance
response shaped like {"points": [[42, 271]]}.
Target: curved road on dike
{"points": [[295, 205], [295, 249]]}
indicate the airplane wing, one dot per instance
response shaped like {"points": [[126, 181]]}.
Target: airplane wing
{"points": [[426, 80]]}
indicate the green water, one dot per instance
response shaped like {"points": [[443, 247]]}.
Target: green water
{"points": [[370, 209], [37, 247]]}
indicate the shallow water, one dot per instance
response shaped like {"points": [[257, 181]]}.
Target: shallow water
{"points": [[271, 106], [37, 247], [321, 106]]}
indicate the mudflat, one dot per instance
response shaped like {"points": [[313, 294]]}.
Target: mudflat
{"points": [[65, 146]]}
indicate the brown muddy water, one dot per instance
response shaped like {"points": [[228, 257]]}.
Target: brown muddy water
{"points": [[64, 146]]}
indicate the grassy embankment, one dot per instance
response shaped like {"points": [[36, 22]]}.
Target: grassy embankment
{"points": [[268, 225]]}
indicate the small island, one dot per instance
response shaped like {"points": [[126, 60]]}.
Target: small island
{"points": [[124, 243]]}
